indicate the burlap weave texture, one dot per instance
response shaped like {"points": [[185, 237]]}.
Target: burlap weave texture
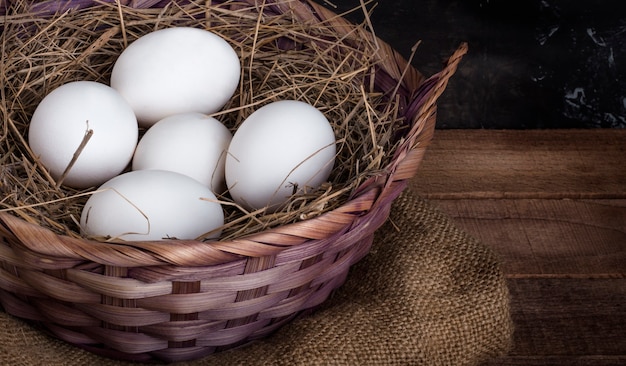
{"points": [[427, 294]]}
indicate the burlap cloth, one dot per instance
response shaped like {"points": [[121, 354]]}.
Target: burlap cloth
{"points": [[427, 294]]}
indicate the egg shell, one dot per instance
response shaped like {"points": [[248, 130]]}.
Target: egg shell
{"points": [[282, 148], [176, 70], [193, 144], [61, 120], [152, 205]]}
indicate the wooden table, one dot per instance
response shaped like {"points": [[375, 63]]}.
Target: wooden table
{"points": [[552, 205]]}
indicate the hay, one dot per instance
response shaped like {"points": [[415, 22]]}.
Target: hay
{"points": [[280, 59]]}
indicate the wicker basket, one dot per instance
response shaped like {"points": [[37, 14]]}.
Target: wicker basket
{"points": [[149, 301]]}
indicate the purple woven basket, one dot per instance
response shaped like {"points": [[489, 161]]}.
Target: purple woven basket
{"points": [[167, 301]]}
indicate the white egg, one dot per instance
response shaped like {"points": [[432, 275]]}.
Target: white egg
{"points": [[152, 205], [192, 144], [282, 148], [176, 70], [61, 121]]}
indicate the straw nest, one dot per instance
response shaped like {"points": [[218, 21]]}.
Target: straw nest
{"points": [[280, 59], [266, 268]]}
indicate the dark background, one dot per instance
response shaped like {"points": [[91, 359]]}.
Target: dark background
{"points": [[531, 63]]}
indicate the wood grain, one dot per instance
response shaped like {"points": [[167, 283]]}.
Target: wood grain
{"points": [[552, 205], [524, 164], [565, 321], [549, 299], [548, 237]]}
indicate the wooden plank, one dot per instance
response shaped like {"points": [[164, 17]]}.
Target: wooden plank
{"points": [[535, 238], [567, 322], [591, 328], [565, 261], [582, 360], [524, 164], [535, 217], [552, 205]]}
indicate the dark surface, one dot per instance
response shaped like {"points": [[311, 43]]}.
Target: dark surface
{"points": [[531, 63]]}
